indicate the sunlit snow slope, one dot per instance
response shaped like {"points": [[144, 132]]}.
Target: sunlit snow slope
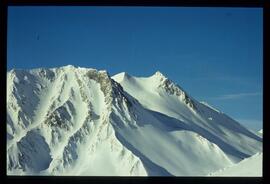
{"points": [[80, 121], [249, 167], [159, 94]]}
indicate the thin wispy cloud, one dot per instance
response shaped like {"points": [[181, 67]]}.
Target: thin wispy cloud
{"points": [[231, 79], [236, 96], [253, 124]]}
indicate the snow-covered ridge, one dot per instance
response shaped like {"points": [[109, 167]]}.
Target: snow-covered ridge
{"points": [[211, 107], [121, 76], [159, 75], [70, 108], [157, 82], [81, 121]]}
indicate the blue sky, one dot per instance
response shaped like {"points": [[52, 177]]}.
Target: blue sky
{"points": [[215, 54]]}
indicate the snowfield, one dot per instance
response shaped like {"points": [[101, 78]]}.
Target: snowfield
{"points": [[243, 168], [80, 121]]}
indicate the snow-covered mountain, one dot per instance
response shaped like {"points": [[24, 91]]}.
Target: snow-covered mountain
{"points": [[249, 167], [80, 121]]}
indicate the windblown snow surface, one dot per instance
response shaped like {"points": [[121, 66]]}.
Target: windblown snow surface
{"points": [[80, 121]]}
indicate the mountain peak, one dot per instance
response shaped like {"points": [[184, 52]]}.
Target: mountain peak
{"points": [[121, 76], [159, 75], [68, 67], [125, 74]]}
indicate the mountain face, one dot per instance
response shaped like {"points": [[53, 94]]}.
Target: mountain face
{"points": [[80, 121]]}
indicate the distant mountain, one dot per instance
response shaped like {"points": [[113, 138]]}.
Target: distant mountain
{"points": [[80, 121]]}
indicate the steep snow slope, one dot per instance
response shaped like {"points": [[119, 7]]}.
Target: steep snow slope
{"points": [[165, 142], [158, 93], [58, 123], [78, 121], [243, 168]]}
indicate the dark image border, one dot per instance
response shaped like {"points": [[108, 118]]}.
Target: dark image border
{"points": [[265, 4]]}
